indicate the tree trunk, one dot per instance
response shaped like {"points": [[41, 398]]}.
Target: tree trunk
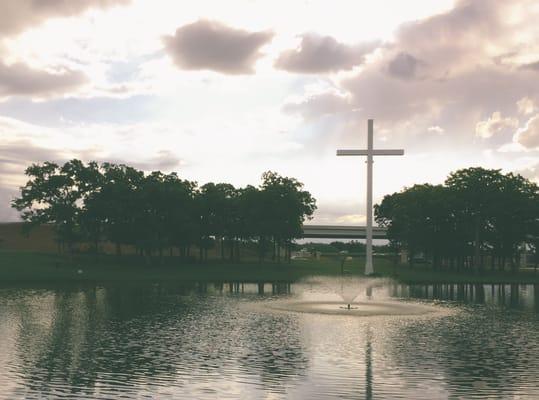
{"points": [[222, 241], [237, 250], [477, 244]]}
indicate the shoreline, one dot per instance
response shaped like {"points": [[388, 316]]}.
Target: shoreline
{"points": [[30, 267]]}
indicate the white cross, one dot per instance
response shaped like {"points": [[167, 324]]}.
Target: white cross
{"points": [[370, 152]]}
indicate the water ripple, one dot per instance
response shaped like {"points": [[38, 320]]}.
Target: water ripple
{"points": [[199, 341]]}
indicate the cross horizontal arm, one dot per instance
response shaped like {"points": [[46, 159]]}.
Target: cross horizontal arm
{"points": [[385, 152]]}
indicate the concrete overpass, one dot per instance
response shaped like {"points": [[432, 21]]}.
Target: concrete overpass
{"points": [[341, 232]]}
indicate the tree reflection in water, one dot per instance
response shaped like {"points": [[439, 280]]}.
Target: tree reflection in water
{"points": [[197, 340]]}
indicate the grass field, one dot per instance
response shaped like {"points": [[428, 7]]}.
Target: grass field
{"points": [[34, 259], [18, 266]]}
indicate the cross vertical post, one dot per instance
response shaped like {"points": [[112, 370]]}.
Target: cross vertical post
{"points": [[370, 153], [368, 261]]}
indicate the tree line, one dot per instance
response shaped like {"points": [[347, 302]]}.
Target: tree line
{"points": [[478, 218], [95, 203]]}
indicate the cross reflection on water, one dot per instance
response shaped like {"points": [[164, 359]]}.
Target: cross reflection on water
{"points": [[196, 340]]}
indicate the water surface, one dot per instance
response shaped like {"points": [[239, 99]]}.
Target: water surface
{"points": [[206, 340]]}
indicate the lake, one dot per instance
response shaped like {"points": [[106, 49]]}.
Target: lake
{"points": [[225, 340]]}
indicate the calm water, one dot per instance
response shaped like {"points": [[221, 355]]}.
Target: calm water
{"points": [[215, 340]]}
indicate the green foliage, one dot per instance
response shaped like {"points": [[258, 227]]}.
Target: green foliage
{"points": [[117, 203], [54, 195], [477, 212]]}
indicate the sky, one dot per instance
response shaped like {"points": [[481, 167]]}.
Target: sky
{"points": [[223, 91]]}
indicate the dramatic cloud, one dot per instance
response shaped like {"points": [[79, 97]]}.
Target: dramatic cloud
{"points": [[320, 54], [436, 86], [458, 40], [19, 79], [529, 135], [211, 45], [17, 15], [449, 70], [494, 124]]}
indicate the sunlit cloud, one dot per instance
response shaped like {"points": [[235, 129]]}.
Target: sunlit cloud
{"points": [[319, 54]]}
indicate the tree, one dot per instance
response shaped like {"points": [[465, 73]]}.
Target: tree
{"points": [[53, 195], [474, 190], [417, 219], [475, 213], [514, 219], [154, 212], [287, 206], [181, 225], [217, 214]]}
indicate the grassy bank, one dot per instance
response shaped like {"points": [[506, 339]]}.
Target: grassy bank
{"points": [[425, 274], [17, 266]]}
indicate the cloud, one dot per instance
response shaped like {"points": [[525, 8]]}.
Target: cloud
{"points": [[405, 66], [448, 70], [459, 40], [494, 124], [526, 106], [17, 155], [321, 54], [21, 80], [18, 15], [529, 135], [530, 171], [214, 46]]}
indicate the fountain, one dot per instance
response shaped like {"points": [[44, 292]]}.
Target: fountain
{"points": [[351, 296]]}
